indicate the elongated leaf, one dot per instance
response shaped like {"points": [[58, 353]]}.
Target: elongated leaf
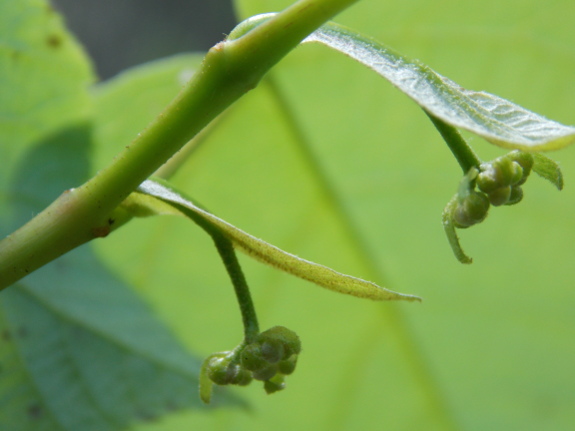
{"points": [[499, 121], [261, 250]]}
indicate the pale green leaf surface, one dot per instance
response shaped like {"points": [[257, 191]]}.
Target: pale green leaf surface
{"points": [[36, 56], [261, 250], [497, 120], [491, 117], [492, 342], [79, 349]]}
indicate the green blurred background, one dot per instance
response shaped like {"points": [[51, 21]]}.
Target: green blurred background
{"points": [[328, 161]]}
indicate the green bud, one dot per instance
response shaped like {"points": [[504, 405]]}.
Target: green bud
{"points": [[471, 210], [523, 159], [487, 179], [517, 173], [500, 196], [275, 384], [516, 195], [220, 371], [505, 170], [266, 373], [251, 357], [288, 338], [499, 173], [242, 378], [272, 350], [287, 366]]}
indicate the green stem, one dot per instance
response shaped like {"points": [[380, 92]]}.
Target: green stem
{"points": [[227, 252], [249, 317], [465, 156], [229, 70]]}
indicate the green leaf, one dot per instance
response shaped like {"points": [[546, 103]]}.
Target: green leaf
{"points": [[80, 349], [548, 169], [255, 247], [82, 352], [44, 75], [499, 121]]}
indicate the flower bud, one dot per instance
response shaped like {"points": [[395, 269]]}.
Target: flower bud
{"points": [[487, 180], [287, 366], [251, 357], [274, 385], [288, 338], [499, 173], [523, 159], [516, 173], [272, 350], [516, 195], [506, 170], [471, 210], [266, 373], [242, 378], [220, 371], [499, 196]]}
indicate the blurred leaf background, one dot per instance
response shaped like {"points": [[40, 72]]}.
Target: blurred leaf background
{"points": [[328, 161]]}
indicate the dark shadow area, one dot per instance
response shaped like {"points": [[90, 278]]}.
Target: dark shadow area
{"points": [[120, 34]]}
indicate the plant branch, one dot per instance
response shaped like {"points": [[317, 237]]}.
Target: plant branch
{"points": [[230, 69]]}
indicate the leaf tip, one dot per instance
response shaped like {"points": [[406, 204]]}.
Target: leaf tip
{"points": [[548, 169], [412, 298]]}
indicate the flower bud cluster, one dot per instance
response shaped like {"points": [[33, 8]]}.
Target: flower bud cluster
{"points": [[498, 182], [271, 357], [501, 179]]}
